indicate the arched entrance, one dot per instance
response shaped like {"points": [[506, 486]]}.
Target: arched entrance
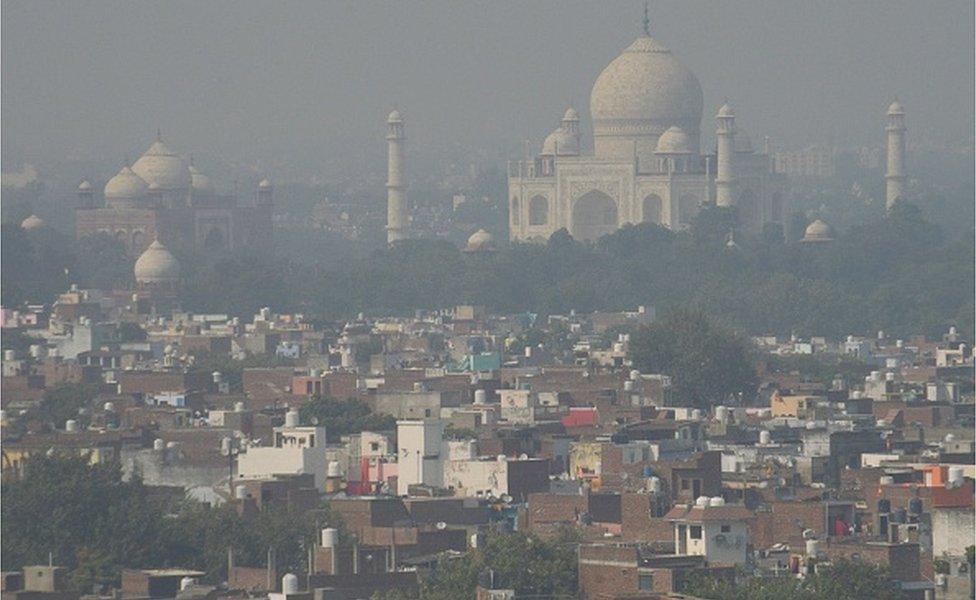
{"points": [[652, 209], [538, 210], [594, 215]]}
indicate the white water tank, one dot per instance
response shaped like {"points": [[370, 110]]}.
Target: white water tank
{"points": [[238, 407], [37, 351], [330, 537], [886, 480], [634, 375], [949, 438], [159, 445], [71, 426], [889, 376], [501, 458], [695, 415], [240, 492], [333, 470], [881, 335], [765, 437], [418, 386], [186, 583], [289, 584], [721, 414], [217, 377], [291, 418], [618, 347], [654, 485], [813, 547], [628, 386], [702, 501], [480, 397], [172, 445], [716, 501], [899, 344], [109, 407], [955, 476]]}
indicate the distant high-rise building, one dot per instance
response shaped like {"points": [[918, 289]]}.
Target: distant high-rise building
{"points": [[813, 161]]}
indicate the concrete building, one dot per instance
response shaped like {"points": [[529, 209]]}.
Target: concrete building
{"points": [[712, 529], [419, 454], [295, 451]]}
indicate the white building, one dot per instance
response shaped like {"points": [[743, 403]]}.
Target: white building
{"points": [[711, 529], [296, 451], [647, 165], [419, 458]]}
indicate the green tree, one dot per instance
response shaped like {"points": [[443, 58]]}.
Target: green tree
{"points": [[707, 363], [343, 417]]}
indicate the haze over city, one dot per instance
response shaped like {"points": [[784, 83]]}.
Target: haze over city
{"points": [[494, 301], [304, 86]]}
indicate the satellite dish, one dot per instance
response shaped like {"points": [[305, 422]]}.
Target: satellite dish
{"points": [[441, 525]]}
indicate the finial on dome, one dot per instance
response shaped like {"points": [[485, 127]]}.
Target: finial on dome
{"points": [[159, 135], [647, 21]]}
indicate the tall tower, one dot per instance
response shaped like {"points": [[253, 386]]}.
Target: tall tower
{"points": [[396, 203], [724, 171], [895, 176], [86, 195]]}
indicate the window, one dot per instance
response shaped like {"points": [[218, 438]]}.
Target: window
{"points": [[684, 484], [645, 581], [426, 412], [695, 532], [726, 528], [374, 446]]}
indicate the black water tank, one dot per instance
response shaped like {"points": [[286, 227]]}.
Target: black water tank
{"points": [[884, 506], [898, 516], [915, 506]]}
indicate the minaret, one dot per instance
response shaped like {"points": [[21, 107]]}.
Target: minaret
{"points": [[86, 196], [895, 177], [724, 172], [396, 203]]}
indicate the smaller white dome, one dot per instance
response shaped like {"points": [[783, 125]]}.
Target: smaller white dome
{"points": [[895, 108], [480, 241], [265, 184], [84, 186], [726, 111], [673, 141], [818, 231], [571, 115], [394, 117], [200, 182], [126, 185], [561, 142], [157, 265], [32, 222]]}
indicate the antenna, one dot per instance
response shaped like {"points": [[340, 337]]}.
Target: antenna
{"points": [[647, 21]]}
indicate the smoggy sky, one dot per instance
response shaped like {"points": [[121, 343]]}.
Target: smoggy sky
{"points": [[304, 87]]}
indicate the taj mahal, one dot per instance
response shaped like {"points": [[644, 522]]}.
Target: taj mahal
{"points": [[647, 164]]}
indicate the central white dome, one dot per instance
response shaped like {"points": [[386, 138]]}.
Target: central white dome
{"points": [[163, 167], [639, 95]]}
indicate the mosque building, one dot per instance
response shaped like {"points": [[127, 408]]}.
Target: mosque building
{"points": [[647, 164], [164, 197]]}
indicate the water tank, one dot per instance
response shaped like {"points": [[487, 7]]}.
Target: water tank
{"points": [[289, 584], [949, 438], [716, 501], [813, 547], [333, 470], [226, 445], [857, 395], [172, 445], [811, 425], [217, 377], [330, 537], [808, 534], [721, 414], [654, 485], [618, 347], [702, 501], [765, 438], [240, 492], [915, 506], [695, 415], [886, 480], [238, 407], [899, 344], [889, 376], [418, 386], [528, 352], [9, 355], [881, 335], [501, 458], [37, 351], [480, 397], [291, 418], [628, 386], [159, 445], [186, 583], [884, 506], [634, 375], [109, 407], [955, 476], [850, 339], [71, 426]]}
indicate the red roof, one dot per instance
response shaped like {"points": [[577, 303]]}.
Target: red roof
{"points": [[581, 417]]}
